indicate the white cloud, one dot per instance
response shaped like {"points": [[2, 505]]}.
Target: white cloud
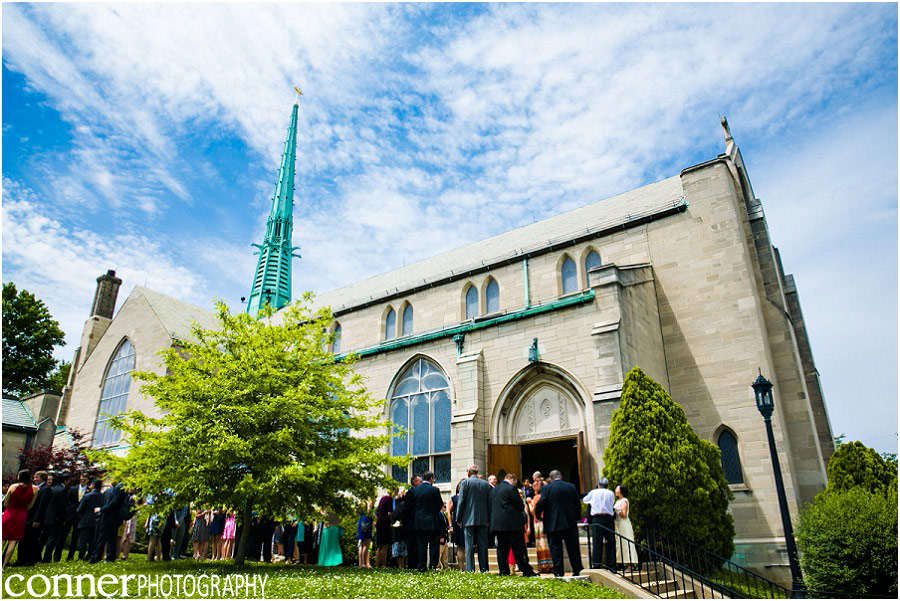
{"points": [[60, 265]]}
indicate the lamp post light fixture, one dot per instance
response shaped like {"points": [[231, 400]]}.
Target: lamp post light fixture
{"points": [[765, 402]]}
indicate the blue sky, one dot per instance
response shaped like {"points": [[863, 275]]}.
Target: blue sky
{"points": [[145, 138]]}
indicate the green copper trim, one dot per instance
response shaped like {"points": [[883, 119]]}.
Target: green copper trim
{"points": [[527, 287], [469, 326], [272, 276]]}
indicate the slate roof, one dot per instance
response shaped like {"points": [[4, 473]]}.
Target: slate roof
{"points": [[176, 316], [597, 216], [16, 415]]}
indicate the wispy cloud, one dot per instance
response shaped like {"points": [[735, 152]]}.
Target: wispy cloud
{"points": [[59, 264]]}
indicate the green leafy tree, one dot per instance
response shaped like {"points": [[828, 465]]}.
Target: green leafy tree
{"points": [[854, 464], [256, 414], [675, 480], [29, 335], [59, 378], [848, 542]]}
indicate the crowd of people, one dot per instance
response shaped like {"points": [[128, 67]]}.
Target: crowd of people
{"points": [[41, 512], [409, 528], [414, 527]]}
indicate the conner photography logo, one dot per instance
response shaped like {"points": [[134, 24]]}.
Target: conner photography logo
{"points": [[213, 586]]}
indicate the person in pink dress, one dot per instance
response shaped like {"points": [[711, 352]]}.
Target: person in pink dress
{"points": [[228, 536], [16, 503]]}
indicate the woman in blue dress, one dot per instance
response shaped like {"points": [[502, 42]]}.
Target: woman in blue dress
{"points": [[330, 545]]}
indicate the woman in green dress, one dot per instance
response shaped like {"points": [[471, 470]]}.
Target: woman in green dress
{"points": [[330, 545]]}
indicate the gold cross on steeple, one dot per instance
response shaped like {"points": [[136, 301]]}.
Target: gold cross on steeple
{"points": [[299, 94]]}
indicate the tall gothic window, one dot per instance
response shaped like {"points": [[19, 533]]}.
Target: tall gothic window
{"points": [[336, 343], [471, 302], [492, 296], [569, 276], [731, 459], [114, 394], [406, 327], [421, 402], [590, 262], [390, 325]]}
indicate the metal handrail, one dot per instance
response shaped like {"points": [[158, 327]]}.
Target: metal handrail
{"points": [[650, 579], [739, 579]]}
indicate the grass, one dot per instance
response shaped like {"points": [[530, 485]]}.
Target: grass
{"points": [[746, 587], [314, 582]]}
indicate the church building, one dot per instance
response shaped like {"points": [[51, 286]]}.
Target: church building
{"points": [[510, 352]]}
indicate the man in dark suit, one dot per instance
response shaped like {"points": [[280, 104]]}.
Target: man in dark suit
{"points": [[560, 508], [87, 518], [409, 523], [474, 513], [73, 497], [427, 504], [182, 517], [55, 517], [165, 539], [29, 548], [108, 527], [508, 524]]}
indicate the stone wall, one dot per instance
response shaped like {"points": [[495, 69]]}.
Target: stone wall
{"points": [[12, 441]]}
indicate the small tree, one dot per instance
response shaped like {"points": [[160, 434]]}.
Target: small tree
{"points": [[848, 542], [675, 480], [71, 459], [257, 414], [60, 377], [29, 335], [854, 464]]}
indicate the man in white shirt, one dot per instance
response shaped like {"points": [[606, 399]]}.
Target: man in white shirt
{"points": [[601, 501]]}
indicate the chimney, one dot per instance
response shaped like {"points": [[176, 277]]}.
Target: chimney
{"points": [[105, 296], [94, 327]]}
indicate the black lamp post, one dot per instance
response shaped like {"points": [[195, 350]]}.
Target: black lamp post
{"points": [[765, 402]]}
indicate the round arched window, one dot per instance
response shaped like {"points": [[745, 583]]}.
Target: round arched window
{"points": [[569, 276], [731, 459], [390, 325], [114, 394], [336, 342], [471, 302], [492, 297], [421, 403], [590, 262]]}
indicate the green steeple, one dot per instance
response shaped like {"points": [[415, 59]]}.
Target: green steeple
{"points": [[272, 279]]}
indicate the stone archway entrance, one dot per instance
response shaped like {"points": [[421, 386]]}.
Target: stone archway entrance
{"points": [[540, 427]]}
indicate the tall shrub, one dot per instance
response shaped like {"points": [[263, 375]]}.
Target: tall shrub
{"points": [[854, 464], [675, 480], [848, 542]]}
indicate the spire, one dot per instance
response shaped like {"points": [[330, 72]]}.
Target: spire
{"points": [[272, 279]]}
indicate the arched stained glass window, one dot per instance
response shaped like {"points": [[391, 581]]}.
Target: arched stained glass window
{"points": [[114, 394], [407, 323], [336, 343], [390, 325], [492, 296], [421, 401], [590, 262], [471, 302], [731, 459], [569, 276]]}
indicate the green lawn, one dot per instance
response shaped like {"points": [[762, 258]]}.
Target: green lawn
{"points": [[286, 581]]}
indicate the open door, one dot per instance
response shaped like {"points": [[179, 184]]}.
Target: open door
{"points": [[584, 465], [504, 459]]}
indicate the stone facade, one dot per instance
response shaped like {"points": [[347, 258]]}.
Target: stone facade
{"points": [[689, 288]]}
